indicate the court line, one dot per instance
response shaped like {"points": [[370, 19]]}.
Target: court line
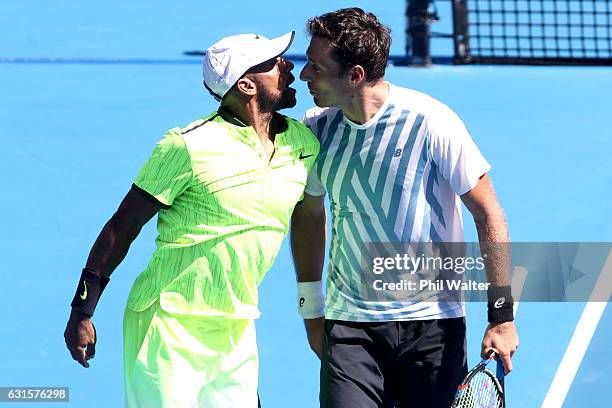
{"points": [[579, 343], [519, 275]]}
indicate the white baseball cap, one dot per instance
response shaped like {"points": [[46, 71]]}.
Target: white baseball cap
{"points": [[228, 59]]}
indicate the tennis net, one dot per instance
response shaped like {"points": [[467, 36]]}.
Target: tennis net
{"points": [[533, 31]]}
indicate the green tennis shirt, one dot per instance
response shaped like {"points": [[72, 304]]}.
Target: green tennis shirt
{"points": [[227, 211]]}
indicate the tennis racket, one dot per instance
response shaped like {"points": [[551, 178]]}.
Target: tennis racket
{"points": [[481, 388]]}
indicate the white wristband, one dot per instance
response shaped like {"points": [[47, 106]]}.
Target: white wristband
{"points": [[311, 300]]}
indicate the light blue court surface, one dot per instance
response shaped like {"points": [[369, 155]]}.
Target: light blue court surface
{"points": [[74, 135]]}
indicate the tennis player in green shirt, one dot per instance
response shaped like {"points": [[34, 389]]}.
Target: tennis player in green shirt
{"points": [[224, 188]]}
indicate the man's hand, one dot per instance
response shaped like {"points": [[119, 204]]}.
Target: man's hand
{"points": [[80, 338], [315, 330], [503, 339]]}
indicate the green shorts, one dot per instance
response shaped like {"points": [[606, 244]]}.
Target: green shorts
{"points": [[188, 361]]}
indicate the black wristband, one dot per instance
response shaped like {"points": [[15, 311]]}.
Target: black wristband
{"points": [[500, 305], [90, 288]]}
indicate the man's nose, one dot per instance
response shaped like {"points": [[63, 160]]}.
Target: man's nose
{"points": [[303, 73], [288, 65]]}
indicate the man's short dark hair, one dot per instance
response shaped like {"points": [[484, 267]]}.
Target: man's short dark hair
{"points": [[356, 37]]}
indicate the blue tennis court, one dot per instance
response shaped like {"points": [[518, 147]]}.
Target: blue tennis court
{"points": [[87, 89]]}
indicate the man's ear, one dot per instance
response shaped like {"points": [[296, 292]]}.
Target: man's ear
{"points": [[246, 86], [356, 75]]}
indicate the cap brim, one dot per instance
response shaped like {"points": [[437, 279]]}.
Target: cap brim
{"points": [[278, 46], [284, 40]]}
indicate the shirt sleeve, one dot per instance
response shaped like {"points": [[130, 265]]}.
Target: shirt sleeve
{"points": [[168, 172], [314, 187], [454, 152], [308, 121]]}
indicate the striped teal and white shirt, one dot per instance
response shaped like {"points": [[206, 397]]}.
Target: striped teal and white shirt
{"points": [[395, 179]]}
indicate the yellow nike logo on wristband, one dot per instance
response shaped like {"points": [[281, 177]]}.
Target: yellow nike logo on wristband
{"points": [[84, 295]]}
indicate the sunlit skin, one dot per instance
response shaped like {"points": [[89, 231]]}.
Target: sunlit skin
{"points": [[273, 79], [263, 91], [327, 84], [350, 91], [258, 94], [359, 101]]}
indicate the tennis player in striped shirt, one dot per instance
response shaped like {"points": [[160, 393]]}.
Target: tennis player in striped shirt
{"points": [[396, 165]]}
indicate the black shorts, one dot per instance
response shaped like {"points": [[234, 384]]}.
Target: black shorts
{"points": [[392, 364]]}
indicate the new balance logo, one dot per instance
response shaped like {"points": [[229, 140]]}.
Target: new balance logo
{"points": [[397, 153]]}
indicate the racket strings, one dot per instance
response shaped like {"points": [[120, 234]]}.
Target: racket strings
{"points": [[481, 392]]}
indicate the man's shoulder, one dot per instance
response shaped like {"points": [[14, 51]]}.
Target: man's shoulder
{"points": [[419, 102], [315, 113], [294, 123], [300, 133], [442, 122], [206, 121], [200, 130], [317, 118], [298, 126]]}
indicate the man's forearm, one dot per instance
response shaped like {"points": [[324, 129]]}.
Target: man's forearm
{"points": [[120, 231], [494, 243], [308, 246], [500, 334], [308, 229], [110, 249], [112, 245]]}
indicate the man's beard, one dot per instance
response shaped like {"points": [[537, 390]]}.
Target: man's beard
{"points": [[269, 102]]}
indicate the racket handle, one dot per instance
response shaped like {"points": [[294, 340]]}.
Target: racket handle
{"points": [[500, 374]]}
